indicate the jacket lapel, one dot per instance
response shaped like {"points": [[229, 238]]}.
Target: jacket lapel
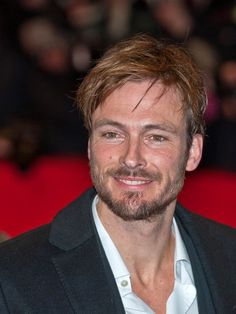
{"points": [[82, 265], [213, 270]]}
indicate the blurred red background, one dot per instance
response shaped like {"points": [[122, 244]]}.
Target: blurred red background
{"points": [[32, 198]]}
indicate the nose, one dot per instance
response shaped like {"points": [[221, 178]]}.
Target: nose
{"points": [[133, 154]]}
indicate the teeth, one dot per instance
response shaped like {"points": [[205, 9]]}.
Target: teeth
{"points": [[129, 182]]}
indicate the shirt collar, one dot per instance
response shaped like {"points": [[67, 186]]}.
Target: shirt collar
{"points": [[181, 256], [116, 262]]}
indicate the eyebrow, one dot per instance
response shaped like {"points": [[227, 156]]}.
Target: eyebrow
{"points": [[168, 127], [108, 122]]}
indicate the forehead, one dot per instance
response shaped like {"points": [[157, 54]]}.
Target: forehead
{"points": [[141, 101]]}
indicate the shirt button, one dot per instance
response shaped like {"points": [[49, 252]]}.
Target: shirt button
{"points": [[124, 283]]}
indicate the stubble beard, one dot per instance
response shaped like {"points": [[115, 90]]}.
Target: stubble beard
{"points": [[131, 205]]}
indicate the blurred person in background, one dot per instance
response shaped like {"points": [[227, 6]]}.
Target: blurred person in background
{"points": [[21, 142], [220, 149], [41, 86], [207, 58]]}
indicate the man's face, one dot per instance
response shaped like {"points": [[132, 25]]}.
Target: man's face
{"points": [[138, 157]]}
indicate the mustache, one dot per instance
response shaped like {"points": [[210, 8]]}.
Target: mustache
{"points": [[124, 171]]}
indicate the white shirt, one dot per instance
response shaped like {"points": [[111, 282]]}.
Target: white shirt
{"points": [[183, 297]]}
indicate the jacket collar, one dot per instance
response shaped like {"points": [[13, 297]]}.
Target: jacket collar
{"points": [[211, 247], [81, 263], [74, 224]]}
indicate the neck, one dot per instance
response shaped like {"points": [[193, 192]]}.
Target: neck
{"points": [[145, 246]]}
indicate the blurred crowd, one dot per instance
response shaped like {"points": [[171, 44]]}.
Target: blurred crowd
{"points": [[47, 46]]}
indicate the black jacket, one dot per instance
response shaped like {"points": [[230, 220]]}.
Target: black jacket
{"points": [[61, 268]]}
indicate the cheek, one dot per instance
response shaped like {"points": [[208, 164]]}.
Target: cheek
{"points": [[168, 162], [161, 159], [105, 155], [101, 157], [105, 152]]}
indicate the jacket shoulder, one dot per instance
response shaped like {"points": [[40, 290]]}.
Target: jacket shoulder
{"points": [[25, 246], [216, 239], [212, 227]]}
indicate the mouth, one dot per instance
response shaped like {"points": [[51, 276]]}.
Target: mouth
{"points": [[133, 182]]}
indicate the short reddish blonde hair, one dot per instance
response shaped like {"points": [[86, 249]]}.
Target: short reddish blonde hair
{"points": [[139, 58]]}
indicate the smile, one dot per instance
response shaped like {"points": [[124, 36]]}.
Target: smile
{"points": [[133, 182]]}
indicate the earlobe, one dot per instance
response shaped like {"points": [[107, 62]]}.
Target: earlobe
{"points": [[195, 152]]}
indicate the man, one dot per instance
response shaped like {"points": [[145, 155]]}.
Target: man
{"points": [[127, 246]]}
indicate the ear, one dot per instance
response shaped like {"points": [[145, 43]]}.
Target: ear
{"points": [[88, 151], [195, 152]]}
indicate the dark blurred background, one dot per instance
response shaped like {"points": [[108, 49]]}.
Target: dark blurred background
{"points": [[46, 48]]}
